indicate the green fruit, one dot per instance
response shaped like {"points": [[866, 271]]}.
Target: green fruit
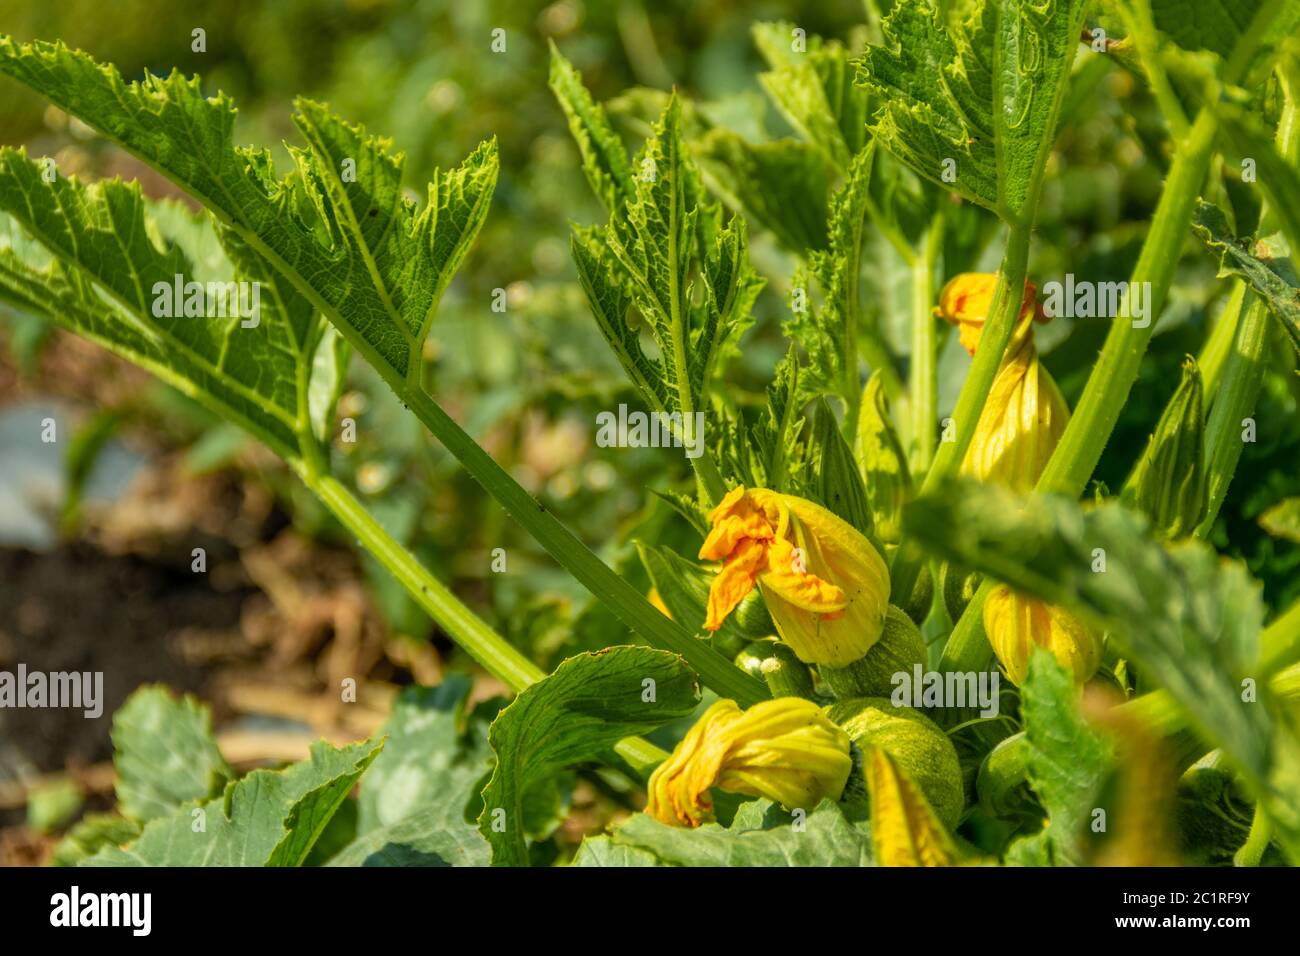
{"points": [[752, 619], [917, 605], [899, 649], [923, 751], [959, 586]]}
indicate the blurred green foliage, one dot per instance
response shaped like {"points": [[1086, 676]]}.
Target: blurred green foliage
{"points": [[528, 382]]}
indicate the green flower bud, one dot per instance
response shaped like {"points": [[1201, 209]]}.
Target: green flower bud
{"points": [[1169, 483], [777, 664], [920, 748], [786, 675], [899, 649], [884, 466], [750, 660]]}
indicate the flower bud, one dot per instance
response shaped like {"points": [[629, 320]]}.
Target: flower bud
{"points": [[825, 585], [1020, 424], [918, 746], [965, 302], [899, 649], [888, 481], [1016, 622], [776, 663], [784, 749], [1170, 483]]}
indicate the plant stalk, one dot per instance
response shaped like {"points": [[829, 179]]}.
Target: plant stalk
{"points": [[628, 604], [469, 631], [924, 378], [1001, 322]]}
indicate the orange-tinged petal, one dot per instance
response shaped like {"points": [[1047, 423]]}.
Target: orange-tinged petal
{"points": [[734, 520], [966, 299], [734, 581], [785, 749], [787, 576]]}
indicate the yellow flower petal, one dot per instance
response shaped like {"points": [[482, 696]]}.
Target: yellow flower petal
{"points": [[1017, 623], [825, 585], [904, 828], [784, 749], [733, 582]]}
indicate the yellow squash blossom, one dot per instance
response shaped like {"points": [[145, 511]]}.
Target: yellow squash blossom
{"points": [[784, 749], [966, 299], [1016, 623], [1021, 423], [825, 584]]}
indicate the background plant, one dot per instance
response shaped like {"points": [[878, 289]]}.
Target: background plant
{"points": [[842, 218]]}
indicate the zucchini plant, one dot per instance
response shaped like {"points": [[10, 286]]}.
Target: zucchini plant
{"points": [[870, 573]]}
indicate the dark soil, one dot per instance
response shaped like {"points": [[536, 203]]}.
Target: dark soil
{"points": [[79, 609]]}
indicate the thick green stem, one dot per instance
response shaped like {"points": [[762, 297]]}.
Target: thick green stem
{"points": [[924, 376], [1256, 841], [999, 325], [1116, 370], [625, 601], [1113, 376], [466, 628]]}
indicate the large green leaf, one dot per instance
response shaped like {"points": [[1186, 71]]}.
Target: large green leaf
{"points": [[164, 754], [435, 753], [814, 89], [369, 255], [762, 834], [976, 98], [373, 263], [423, 838], [604, 160], [268, 818], [1066, 762], [574, 716], [418, 796], [102, 252], [1218, 25], [1190, 620], [603, 851], [782, 185]]}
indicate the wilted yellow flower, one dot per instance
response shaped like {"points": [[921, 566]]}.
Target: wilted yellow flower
{"points": [[1020, 425], [966, 299], [825, 585], [785, 749], [1016, 623]]}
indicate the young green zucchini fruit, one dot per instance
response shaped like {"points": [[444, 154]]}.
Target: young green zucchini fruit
{"points": [[899, 650], [916, 743]]}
